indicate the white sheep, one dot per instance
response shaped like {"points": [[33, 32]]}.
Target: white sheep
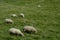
{"points": [[13, 15], [29, 29], [15, 31], [22, 15], [9, 21]]}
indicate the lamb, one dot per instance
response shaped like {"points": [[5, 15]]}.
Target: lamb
{"points": [[9, 21], [15, 31], [22, 15], [13, 15], [29, 29]]}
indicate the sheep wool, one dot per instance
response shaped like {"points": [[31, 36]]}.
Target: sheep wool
{"points": [[15, 31], [14, 15], [22, 15], [29, 29], [9, 21]]}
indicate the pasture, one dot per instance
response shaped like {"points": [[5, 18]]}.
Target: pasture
{"points": [[44, 15]]}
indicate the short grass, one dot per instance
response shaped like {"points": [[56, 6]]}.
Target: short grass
{"points": [[46, 19]]}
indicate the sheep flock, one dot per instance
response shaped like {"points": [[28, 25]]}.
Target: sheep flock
{"points": [[15, 31]]}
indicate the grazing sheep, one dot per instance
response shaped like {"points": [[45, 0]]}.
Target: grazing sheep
{"points": [[22, 15], [13, 15], [29, 29], [15, 31], [9, 21]]}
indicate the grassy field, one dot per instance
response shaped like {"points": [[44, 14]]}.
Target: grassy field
{"points": [[46, 18]]}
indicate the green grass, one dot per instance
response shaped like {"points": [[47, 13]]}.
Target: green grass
{"points": [[46, 19]]}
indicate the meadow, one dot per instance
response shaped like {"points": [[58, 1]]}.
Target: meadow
{"points": [[45, 18]]}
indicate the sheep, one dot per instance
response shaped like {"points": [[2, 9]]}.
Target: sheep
{"points": [[13, 15], [15, 31], [9, 21], [22, 15], [29, 29]]}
